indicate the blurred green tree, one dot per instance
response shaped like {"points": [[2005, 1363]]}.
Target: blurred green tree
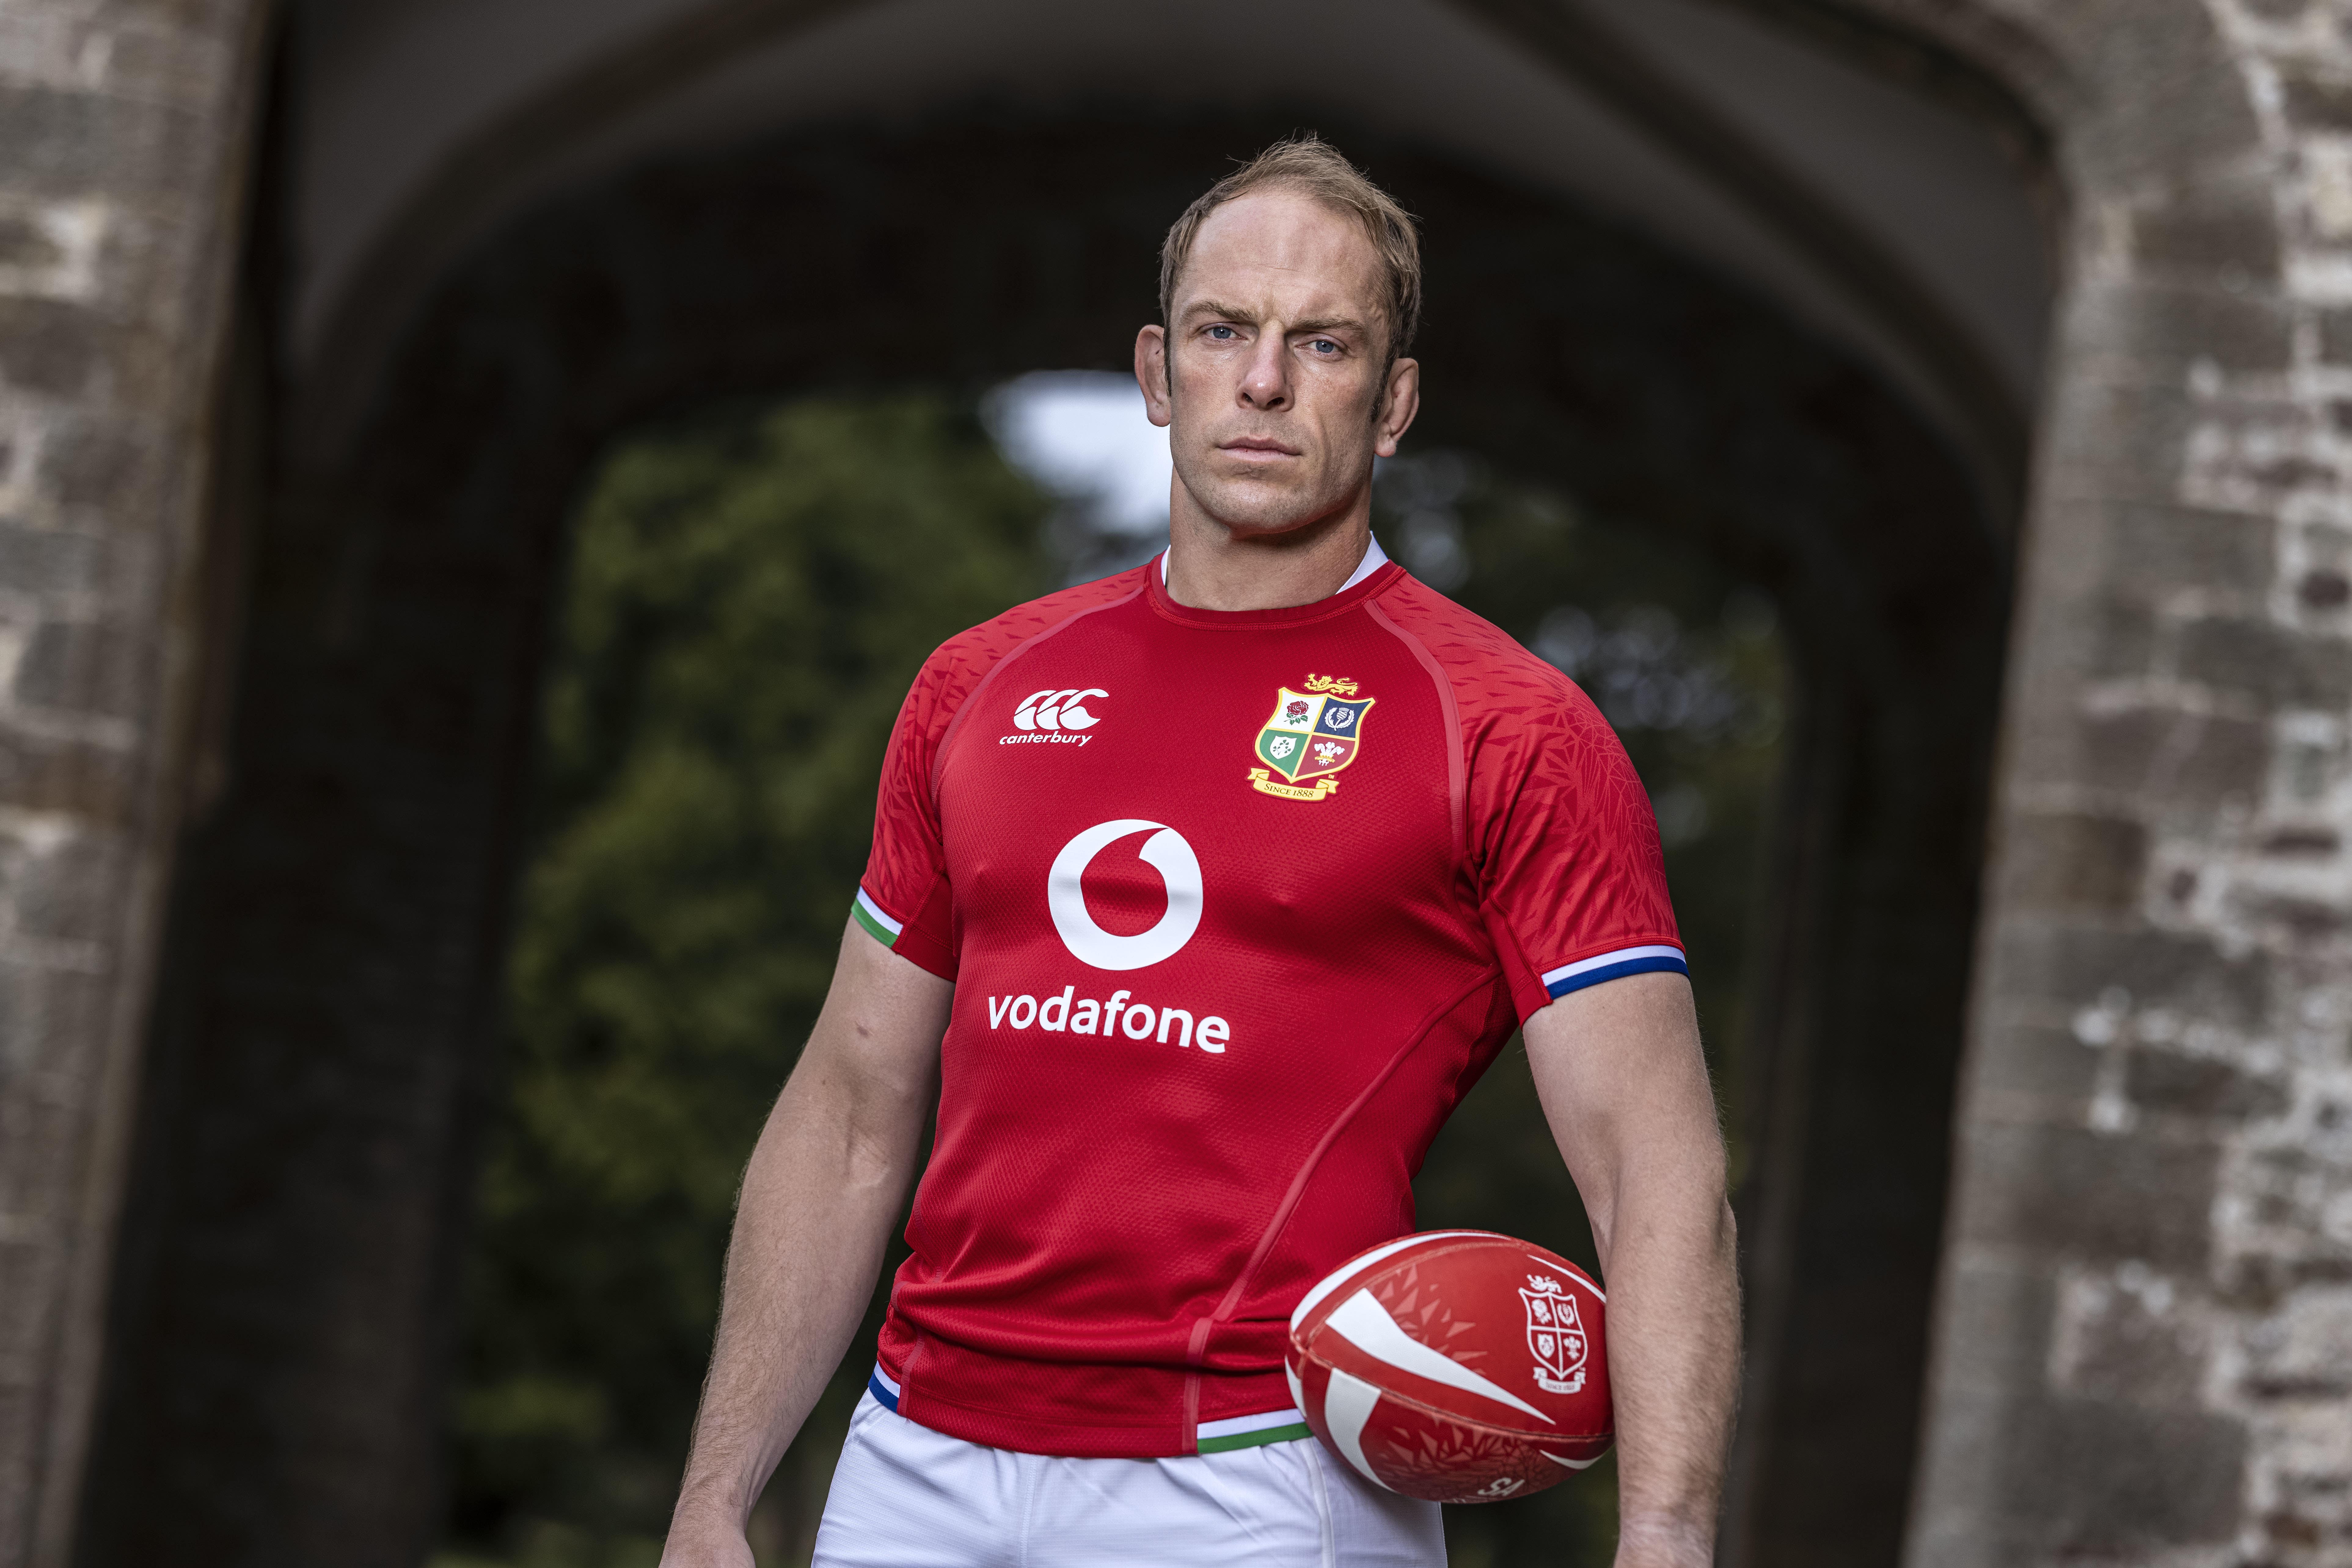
{"points": [[750, 594]]}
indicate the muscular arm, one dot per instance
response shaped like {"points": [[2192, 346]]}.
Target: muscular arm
{"points": [[1625, 1090], [825, 1182]]}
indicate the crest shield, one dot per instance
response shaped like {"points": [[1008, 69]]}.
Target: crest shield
{"points": [[1555, 1334], [1309, 735]]}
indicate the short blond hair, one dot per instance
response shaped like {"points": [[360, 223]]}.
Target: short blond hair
{"points": [[1313, 167]]}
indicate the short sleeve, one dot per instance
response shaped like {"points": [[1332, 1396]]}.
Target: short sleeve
{"points": [[903, 899], [1565, 847]]}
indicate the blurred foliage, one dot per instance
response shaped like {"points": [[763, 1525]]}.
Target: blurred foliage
{"points": [[750, 594]]}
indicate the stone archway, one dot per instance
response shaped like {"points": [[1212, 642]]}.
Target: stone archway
{"points": [[2138, 1294], [360, 870]]}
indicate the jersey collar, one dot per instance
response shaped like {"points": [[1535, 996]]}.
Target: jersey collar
{"points": [[1372, 574]]}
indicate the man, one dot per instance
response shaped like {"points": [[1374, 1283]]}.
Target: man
{"points": [[1199, 896]]}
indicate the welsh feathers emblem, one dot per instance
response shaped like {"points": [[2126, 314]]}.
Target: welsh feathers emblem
{"points": [[1310, 735], [1555, 1333]]}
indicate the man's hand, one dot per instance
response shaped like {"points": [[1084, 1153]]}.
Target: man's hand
{"points": [[1625, 1088], [825, 1182]]}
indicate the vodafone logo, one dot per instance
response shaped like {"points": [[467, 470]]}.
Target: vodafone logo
{"points": [[1052, 710], [1166, 852]]}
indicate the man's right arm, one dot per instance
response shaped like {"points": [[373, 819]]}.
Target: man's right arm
{"points": [[826, 1180]]}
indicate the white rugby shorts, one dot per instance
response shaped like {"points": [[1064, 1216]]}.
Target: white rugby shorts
{"points": [[907, 1497]]}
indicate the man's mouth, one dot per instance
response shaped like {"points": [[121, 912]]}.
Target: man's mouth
{"points": [[1257, 446]]}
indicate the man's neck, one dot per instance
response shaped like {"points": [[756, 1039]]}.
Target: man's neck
{"points": [[1210, 568]]}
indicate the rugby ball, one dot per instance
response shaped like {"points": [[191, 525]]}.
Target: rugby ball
{"points": [[1456, 1367]]}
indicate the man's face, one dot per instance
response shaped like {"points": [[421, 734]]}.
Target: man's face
{"points": [[1276, 402]]}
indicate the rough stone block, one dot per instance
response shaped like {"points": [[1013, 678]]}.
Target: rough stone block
{"points": [[2037, 1061], [2072, 862], [2176, 1085], [2325, 588], [2283, 667], [2183, 759], [86, 667], [1994, 1334], [49, 346], [24, 1331], [2304, 1350], [47, 1017], [42, 772], [67, 143], [2067, 966], [2336, 336], [2225, 230], [2169, 326], [26, 245], [2155, 550], [2118, 639], [64, 895], [49, 561], [99, 468], [2132, 1338], [2095, 1479], [2317, 102], [2135, 1198], [2118, 441]]}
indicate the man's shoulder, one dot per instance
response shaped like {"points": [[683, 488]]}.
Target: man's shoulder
{"points": [[960, 664], [1494, 679]]}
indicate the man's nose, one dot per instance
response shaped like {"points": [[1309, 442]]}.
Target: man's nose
{"points": [[1266, 382]]}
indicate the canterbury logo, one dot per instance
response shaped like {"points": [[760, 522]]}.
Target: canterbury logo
{"points": [[1166, 852], [1062, 709]]}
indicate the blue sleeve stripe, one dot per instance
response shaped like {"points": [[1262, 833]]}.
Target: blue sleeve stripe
{"points": [[885, 1392], [1605, 966]]}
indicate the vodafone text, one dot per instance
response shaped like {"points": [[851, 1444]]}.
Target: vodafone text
{"points": [[1136, 1020]]}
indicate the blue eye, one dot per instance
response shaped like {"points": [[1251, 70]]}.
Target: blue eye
{"points": [[1324, 346], [1221, 332]]}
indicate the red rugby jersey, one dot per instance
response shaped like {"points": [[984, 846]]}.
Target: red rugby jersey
{"points": [[1238, 905]]}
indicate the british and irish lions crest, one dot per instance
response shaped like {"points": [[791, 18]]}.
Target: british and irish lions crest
{"points": [[1309, 736], [1555, 1333]]}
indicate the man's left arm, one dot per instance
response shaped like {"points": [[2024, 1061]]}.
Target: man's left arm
{"points": [[1625, 1088]]}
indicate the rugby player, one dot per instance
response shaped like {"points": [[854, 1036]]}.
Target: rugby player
{"points": [[1198, 898]]}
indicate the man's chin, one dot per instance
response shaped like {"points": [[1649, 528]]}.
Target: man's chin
{"points": [[1256, 511]]}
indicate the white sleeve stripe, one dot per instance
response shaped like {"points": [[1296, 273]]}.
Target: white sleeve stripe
{"points": [[880, 918], [1237, 1424], [1603, 961]]}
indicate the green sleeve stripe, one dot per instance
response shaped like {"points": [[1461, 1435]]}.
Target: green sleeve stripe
{"points": [[1232, 1440], [873, 927]]}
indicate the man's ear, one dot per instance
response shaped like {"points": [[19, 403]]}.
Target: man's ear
{"points": [[1152, 374], [1400, 401]]}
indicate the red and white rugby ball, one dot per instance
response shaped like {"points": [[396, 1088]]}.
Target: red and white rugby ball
{"points": [[1456, 1367]]}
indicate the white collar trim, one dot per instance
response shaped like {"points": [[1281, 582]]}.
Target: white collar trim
{"points": [[1374, 559]]}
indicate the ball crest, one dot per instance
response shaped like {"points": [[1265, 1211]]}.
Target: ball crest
{"points": [[1456, 1367]]}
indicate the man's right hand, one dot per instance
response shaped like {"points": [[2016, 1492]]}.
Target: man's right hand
{"points": [[832, 1167]]}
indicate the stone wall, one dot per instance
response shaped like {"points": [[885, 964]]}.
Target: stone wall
{"points": [[121, 155], [2147, 1325]]}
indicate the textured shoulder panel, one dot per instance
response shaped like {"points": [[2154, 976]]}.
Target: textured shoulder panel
{"points": [[1535, 747], [1496, 682]]}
